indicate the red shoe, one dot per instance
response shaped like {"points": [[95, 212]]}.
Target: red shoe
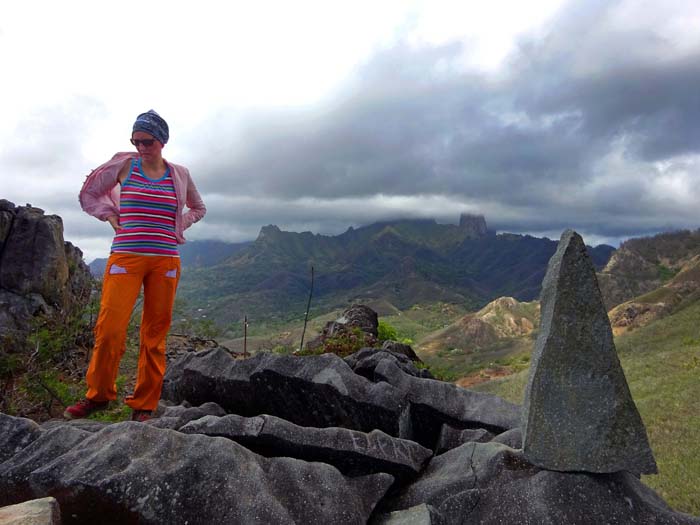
{"points": [[141, 415], [84, 408]]}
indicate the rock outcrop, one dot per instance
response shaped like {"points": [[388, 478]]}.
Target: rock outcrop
{"points": [[343, 448], [357, 317], [642, 310], [136, 473], [40, 273], [473, 225], [502, 319], [578, 413]]}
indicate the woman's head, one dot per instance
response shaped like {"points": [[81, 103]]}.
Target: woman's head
{"points": [[153, 124]]}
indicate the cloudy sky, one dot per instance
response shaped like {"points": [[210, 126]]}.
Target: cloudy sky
{"points": [[319, 115]]}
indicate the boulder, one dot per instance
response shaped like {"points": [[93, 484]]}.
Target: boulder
{"points": [[44, 511], [578, 413], [34, 258], [362, 317], [357, 316], [352, 452], [135, 473]]}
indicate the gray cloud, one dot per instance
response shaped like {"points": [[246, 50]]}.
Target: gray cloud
{"points": [[536, 138], [592, 123]]}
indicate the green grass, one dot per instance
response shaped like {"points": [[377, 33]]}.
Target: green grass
{"points": [[662, 365], [454, 363], [421, 319]]}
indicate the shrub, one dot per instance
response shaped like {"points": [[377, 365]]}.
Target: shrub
{"points": [[386, 332], [347, 342]]}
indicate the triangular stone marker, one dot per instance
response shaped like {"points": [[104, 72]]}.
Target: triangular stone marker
{"points": [[578, 413]]}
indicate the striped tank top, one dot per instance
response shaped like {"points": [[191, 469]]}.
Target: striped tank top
{"points": [[147, 211]]}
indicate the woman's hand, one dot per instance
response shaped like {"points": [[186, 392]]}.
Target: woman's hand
{"points": [[114, 221]]}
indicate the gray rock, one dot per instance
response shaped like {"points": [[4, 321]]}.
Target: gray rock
{"points": [[365, 361], [451, 437], [578, 413], [547, 497], [358, 316], [512, 438], [434, 403], [448, 484], [313, 391], [16, 433], [401, 348], [131, 472], [213, 375], [174, 417], [40, 274], [34, 258], [44, 511], [15, 485], [6, 218], [89, 425], [490, 483], [352, 452], [16, 311], [362, 317], [419, 515]]}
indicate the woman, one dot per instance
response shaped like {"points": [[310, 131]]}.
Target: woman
{"points": [[143, 197]]}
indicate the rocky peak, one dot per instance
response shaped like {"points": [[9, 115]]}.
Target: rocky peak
{"points": [[269, 232], [473, 225]]}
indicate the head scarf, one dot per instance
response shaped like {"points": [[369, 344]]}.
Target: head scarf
{"points": [[152, 123]]}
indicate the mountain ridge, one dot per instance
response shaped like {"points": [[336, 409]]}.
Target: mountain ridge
{"points": [[406, 262]]}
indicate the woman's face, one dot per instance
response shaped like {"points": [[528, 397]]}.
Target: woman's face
{"points": [[147, 152]]}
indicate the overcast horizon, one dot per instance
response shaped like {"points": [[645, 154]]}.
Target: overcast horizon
{"points": [[319, 116]]}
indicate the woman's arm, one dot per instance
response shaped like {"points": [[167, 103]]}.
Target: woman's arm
{"points": [[194, 202], [99, 196]]}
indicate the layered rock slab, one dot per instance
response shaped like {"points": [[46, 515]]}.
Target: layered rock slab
{"points": [[352, 452], [451, 437], [364, 362], [15, 472], [578, 413], [313, 391], [434, 403], [131, 472]]}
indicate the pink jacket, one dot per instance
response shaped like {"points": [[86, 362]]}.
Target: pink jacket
{"points": [[99, 195]]}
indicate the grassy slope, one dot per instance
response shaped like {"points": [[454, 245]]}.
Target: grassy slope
{"points": [[662, 365]]}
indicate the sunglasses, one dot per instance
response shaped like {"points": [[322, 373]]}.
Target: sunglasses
{"points": [[145, 142]]}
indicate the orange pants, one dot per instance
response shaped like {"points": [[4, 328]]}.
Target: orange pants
{"points": [[124, 275]]}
